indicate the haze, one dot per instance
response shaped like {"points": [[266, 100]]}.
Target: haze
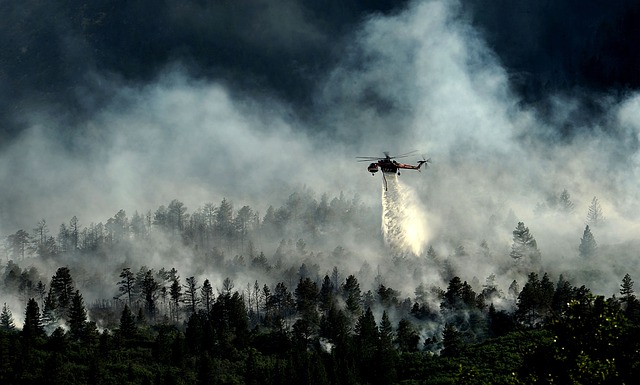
{"points": [[424, 75]]}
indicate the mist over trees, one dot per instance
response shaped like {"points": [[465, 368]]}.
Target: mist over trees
{"points": [[191, 290]]}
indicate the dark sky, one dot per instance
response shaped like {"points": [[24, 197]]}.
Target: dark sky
{"points": [[53, 54], [51, 51]]}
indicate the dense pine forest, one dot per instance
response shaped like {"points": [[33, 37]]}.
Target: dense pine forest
{"points": [[229, 296]]}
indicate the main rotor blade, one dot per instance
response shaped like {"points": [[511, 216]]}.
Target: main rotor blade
{"points": [[404, 155]]}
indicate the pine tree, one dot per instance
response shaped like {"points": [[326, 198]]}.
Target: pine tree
{"points": [[191, 298], [588, 246], [626, 288], [367, 341], [594, 216], [63, 289], [6, 319], [386, 331], [326, 296], [536, 299], [77, 316], [353, 296], [175, 292], [206, 294], [630, 303], [127, 283], [128, 327], [407, 338], [524, 249], [564, 202], [50, 315], [32, 327], [306, 295], [452, 341], [431, 254], [150, 289]]}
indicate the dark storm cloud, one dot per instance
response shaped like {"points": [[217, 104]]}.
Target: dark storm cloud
{"points": [[51, 51]]}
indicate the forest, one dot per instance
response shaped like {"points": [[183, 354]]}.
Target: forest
{"points": [[228, 296]]}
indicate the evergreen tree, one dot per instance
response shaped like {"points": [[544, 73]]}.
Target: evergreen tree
{"points": [[386, 331], [282, 302], [353, 296], [326, 295], [206, 294], [6, 319], [431, 254], [524, 249], [306, 295], [563, 294], [626, 288], [175, 292], [50, 313], [126, 285], [32, 327], [453, 296], [63, 289], [150, 289], [452, 342], [127, 327], [77, 317], [630, 303], [407, 338], [535, 299], [191, 297], [594, 215], [588, 246], [19, 244], [367, 341], [564, 202]]}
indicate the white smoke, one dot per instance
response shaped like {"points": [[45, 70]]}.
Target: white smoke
{"points": [[404, 221]]}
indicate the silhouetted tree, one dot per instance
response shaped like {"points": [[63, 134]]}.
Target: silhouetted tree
{"points": [[353, 296], [126, 285], [77, 317], [367, 341], [127, 328], [63, 289], [306, 295], [206, 294], [452, 341], [535, 299], [191, 297], [32, 327], [150, 289], [588, 246], [326, 297], [6, 319], [407, 338], [563, 294], [631, 305], [626, 287], [176, 295]]}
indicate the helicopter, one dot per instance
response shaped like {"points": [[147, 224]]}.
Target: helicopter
{"points": [[389, 165]]}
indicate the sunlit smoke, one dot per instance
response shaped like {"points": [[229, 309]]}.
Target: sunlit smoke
{"points": [[404, 222]]}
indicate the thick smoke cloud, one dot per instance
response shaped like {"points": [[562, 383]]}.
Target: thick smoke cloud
{"points": [[424, 77]]}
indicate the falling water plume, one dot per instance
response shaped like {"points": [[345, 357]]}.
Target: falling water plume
{"points": [[404, 223]]}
